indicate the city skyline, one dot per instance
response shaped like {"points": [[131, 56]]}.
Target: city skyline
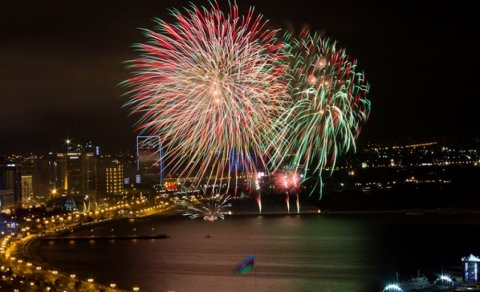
{"points": [[63, 62]]}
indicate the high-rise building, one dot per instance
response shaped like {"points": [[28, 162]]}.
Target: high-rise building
{"points": [[27, 189], [44, 179], [75, 172], [110, 177], [149, 161], [27, 178], [10, 185], [114, 180]]}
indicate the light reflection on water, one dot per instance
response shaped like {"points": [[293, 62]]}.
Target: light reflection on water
{"points": [[293, 253]]}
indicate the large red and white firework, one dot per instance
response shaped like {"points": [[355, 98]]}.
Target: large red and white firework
{"points": [[210, 84]]}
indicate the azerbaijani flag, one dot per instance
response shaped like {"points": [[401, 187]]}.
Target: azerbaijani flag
{"points": [[246, 266]]}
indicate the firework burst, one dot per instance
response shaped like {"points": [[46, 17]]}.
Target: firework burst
{"points": [[209, 84], [210, 209], [328, 105]]}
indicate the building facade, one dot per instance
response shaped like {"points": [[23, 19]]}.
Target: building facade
{"points": [[470, 269], [111, 177], [75, 173], [27, 189], [10, 185]]}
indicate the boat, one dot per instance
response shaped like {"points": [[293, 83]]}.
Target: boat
{"points": [[416, 283]]}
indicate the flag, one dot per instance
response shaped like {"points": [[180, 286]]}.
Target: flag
{"points": [[246, 266]]}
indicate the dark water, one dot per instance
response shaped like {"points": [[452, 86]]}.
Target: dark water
{"points": [[294, 253]]}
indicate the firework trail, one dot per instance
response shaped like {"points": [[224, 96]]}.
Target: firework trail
{"points": [[259, 192], [259, 203], [287, 202], [328, 106], [298, 204], [209, 84]]}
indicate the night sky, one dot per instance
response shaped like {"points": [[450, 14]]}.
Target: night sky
{"points": [[61, 62]]}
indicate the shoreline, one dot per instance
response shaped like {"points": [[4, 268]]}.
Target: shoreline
{"points": [[114, 237], [29, 251]]}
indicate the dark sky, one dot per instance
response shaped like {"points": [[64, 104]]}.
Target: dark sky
{"points": [[61, 62]]}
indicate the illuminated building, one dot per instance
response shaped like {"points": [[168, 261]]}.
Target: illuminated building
{"points": [[27, 188], [470, 268], [110, 177], [10, 185], [114, 181], [75, 172]]}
